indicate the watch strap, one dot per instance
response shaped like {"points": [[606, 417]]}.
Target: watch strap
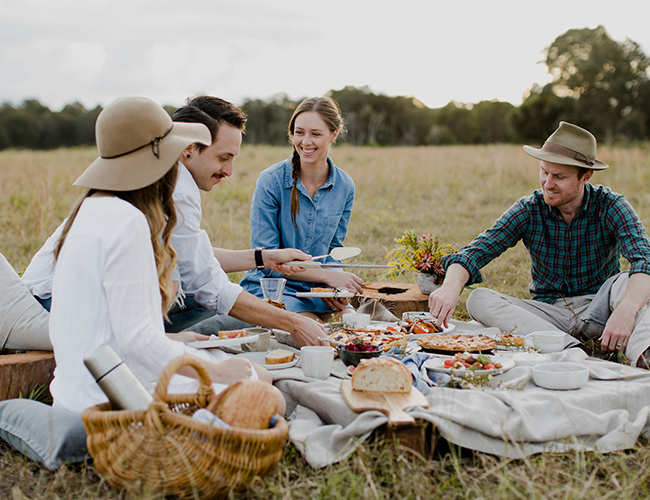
{"points": [[259, 262]]}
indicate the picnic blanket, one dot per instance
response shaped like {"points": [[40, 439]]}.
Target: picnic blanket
{"points": [[519, 419]]}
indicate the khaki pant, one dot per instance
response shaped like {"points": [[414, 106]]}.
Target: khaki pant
{"points": [[504, 312]]}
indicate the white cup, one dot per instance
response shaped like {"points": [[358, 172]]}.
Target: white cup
{"points": [[546, 341], [356, 320], [317, 361]]}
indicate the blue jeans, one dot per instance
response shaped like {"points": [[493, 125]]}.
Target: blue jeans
{"points": [[182, 317]]}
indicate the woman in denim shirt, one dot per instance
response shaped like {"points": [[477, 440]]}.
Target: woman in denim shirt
{"points": [[305, 202]]}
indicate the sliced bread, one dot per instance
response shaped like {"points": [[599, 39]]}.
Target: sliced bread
{"points": [[279, 356]]}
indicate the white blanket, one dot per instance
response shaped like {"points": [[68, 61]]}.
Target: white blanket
{"points": [[607, 414]]}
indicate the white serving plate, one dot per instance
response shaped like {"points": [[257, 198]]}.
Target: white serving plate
{"points": [[436, 364], [210, 344], [343, 294], [259, 358], [560, 376]]}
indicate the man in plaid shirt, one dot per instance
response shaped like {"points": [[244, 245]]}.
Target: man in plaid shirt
{"points": [[575, 234]]}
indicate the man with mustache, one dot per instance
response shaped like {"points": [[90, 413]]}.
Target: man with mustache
{"points": [[202, 268]]}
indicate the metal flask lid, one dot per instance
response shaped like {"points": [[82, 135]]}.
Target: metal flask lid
{"points": [[116, 379], [101, 361]]}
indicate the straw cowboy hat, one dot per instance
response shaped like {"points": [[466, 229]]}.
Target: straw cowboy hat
{"points": [[569, 145], [138, 143]]}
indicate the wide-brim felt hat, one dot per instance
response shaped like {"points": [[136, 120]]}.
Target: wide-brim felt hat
{"points": [[569, 145], [138, 144]]}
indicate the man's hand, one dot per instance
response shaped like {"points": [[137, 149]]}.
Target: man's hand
{"points": [[186, 337], [621, 323], [442, 304], [443, 301], [273, 260], [306, 331], [619, 327]]}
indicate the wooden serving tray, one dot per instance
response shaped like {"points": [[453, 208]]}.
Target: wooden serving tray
{"points": [[390, 403]]}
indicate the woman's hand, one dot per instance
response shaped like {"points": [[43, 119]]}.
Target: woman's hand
{"points": [[231, 370], [344, 281], [335, 304], [186, 337]]}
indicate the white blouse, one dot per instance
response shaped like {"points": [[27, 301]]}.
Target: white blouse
{"points": [[105, 291], [201, 273]]}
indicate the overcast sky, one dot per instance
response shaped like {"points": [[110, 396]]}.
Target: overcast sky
{"points": [[95, 51]]}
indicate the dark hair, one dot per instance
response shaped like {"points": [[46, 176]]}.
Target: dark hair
{"points": [[211, 112], [582, 171], [329, 111]]}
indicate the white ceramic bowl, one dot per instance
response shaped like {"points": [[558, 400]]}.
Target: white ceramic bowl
{"points": [[560, 376]]}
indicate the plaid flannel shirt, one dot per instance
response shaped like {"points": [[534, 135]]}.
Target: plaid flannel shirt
{"points": [[566, 259]]}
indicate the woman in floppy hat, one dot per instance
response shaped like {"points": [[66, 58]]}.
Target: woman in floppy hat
{"points": [[575, 234], [114, 261]]}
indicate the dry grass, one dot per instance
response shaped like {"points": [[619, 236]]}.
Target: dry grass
{"points": [[454, 192]]}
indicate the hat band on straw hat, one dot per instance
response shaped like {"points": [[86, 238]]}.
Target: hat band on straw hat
{"points": [[155, 146], [569, 153]]}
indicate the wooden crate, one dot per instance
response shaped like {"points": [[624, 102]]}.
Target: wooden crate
{"points": [[397, 297], [21, 370]]}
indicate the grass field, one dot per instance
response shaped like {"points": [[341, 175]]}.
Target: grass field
{"points": [[454, 192]]}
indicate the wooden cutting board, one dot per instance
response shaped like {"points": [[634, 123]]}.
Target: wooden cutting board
{"points": [[390, 403]]}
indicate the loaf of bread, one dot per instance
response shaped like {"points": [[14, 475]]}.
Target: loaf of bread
{"points": [[382, 374], [247, 404], [279, 356]]}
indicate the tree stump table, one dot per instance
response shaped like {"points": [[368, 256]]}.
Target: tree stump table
{"points": [[397, 297], [21, 372]]}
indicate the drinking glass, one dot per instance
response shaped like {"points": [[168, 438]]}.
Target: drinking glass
{"points": [[272, 288]]}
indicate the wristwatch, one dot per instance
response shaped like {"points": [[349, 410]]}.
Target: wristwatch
{"points": [[259, 262]]}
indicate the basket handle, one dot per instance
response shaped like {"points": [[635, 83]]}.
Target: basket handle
{"points": [[205, 391]]}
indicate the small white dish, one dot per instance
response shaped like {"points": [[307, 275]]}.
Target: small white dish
{"points": [[530, 358], [560, 376], [356, 320], [259, 358]]}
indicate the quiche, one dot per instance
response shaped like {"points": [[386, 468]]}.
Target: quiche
{"points": [[457, 343], [383, 339]]}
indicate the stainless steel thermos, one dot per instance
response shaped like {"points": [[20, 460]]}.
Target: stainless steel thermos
{"points": [[119, 383]]}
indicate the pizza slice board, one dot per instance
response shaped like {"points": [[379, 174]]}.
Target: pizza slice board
{"points": [[390, 403]]}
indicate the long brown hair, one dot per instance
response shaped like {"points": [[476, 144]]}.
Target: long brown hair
{"points": [[329, 111], [156, 203]]}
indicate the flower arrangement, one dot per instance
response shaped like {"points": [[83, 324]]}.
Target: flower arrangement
{"points": [[421, 253]]}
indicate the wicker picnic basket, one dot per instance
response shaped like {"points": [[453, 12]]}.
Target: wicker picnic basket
{"points": [[162, 449]]}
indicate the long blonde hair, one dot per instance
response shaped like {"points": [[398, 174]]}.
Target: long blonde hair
{"points": [[329, 111], [156, 203]]}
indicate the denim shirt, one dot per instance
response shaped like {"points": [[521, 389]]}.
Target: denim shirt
{"points": [[322, 221]]}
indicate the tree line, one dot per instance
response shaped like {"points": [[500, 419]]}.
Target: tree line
{"points": [[598, 83]]}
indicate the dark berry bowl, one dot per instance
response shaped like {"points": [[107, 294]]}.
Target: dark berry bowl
{"points": [[354, 357]]}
